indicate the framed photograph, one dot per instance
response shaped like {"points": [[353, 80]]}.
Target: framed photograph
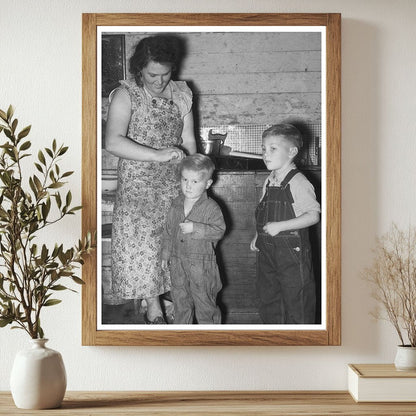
{"points": [[258, 95]]}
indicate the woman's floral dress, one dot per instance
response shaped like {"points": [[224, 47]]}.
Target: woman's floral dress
{"points": [[145, 191]]}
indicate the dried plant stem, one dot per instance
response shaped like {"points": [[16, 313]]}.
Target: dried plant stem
{"points": [[393, 276]]}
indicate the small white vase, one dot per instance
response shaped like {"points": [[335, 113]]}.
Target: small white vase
{"points": [[38, 377], [405, 358]]}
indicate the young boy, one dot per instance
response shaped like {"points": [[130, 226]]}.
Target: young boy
{"points": [[194, 225], [285, 281]]}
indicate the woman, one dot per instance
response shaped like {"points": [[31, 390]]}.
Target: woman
{"points": [[150, 128]]}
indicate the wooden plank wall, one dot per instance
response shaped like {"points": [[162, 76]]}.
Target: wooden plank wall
{"points": [[250, 78]]}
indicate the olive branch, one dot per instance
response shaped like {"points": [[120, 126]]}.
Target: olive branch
{"points": [[31, 274]]}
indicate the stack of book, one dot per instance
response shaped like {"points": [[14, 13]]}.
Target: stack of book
{"points": [[381, 383]]}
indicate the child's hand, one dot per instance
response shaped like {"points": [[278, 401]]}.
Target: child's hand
{"points": [[186, 227], [165, 265], [273, 228], [253, 246]]}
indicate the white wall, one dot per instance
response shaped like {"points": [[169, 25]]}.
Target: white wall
{"points": [[40, 73]]}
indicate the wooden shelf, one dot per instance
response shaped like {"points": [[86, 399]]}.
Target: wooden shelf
{"points": [[318, 403]]}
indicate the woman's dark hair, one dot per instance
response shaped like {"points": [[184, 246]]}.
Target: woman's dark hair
{"points": [[162, 49]]}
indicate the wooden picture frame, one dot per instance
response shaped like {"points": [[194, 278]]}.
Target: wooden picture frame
{"points": [[330, 334]]}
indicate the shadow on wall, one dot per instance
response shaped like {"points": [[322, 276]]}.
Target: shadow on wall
{"points": [[360, 179]]}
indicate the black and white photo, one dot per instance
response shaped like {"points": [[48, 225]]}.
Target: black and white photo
{"points": [[212, 162], [230, 87]]}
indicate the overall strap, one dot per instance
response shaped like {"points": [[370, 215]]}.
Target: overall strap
{"points": [[288, 177]]}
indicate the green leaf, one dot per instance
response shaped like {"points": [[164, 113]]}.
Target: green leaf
{"points": [[67, 174], [51, 302], [45, 211], [41, 157], [62, 257], [49, 152], [76, 279], [3, 115], [59, 287], [63, 150], [40, 332], [68, 199], [25, 145], [14, 125], [37, 183], [60, 250], [34, 226], [4, 298], [33, 187], [39, 167], [58, 199], [5, 321], [55, 251], [44, 253], [24, 132], [56, 185], [54, 145], [8, 133], [77, 208], [10, 112]]}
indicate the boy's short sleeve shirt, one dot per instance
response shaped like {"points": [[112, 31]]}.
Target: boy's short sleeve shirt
{"points": [[303, 195], [302, 190]]}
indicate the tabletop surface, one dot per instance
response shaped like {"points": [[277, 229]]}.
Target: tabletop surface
{"points": [[179, 403]]}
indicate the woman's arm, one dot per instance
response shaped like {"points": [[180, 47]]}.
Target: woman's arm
{"points": [[117, 142], [188, 135]]}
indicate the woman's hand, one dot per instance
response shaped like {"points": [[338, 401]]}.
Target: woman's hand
{"points": [[253, 246], [170, 154]]}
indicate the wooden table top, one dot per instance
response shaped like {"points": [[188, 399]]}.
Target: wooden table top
{"points": [[180, 403]]}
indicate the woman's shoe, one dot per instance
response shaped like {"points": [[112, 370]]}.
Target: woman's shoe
{"points": [[170, 318], [157, 321]]}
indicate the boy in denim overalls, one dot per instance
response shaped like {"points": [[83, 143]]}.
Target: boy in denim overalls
{"points": [[285, 280], [194, 225]]}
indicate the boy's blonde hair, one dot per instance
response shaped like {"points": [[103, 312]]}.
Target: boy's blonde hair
{"points": [[198, 163], [288, 131]]}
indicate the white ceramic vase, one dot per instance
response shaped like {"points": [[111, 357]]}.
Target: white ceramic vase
{"points": [[405, 358], [38, 377]]}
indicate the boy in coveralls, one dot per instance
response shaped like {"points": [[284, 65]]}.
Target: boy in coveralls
{"points": [[194, 225], [285, 281]]}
